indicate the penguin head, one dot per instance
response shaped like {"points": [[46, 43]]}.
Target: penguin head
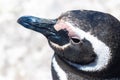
{"points": [[84, 39]]}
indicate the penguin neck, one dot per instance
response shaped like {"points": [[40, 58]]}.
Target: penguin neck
{"points": [[63, 70], [66, 70]]}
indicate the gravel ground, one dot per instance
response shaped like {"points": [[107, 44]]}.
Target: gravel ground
{"points": [[25, 54]]}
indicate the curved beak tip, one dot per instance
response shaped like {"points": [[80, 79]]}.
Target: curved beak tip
{"points": [[26, 19]]}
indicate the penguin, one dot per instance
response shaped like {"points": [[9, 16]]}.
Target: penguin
{"points": [[86, 44]]}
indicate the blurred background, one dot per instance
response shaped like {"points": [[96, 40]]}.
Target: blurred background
{"points": [[25, 54]]}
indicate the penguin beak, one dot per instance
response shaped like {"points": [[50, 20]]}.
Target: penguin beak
{"points": [[46, 27]]}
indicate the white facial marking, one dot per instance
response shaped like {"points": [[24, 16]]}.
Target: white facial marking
{"points": [[100, 48], [60, 47], [61, 74]]}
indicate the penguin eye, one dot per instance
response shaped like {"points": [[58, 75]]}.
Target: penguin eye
{"points": [[75, 40]]}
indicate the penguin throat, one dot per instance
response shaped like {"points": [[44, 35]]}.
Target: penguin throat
{"points": [[100, 48]]}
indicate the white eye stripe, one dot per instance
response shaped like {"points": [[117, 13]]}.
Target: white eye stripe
{"points": [[100, 48]]}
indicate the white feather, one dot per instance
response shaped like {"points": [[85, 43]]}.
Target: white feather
{"points": [[60, 47], [62, 75]]}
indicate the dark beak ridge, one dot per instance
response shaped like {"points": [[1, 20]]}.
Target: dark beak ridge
{"points": [[44, 26]]}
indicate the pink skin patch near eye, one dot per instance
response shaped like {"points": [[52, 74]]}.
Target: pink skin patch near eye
{"points": [[62, 25]]}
